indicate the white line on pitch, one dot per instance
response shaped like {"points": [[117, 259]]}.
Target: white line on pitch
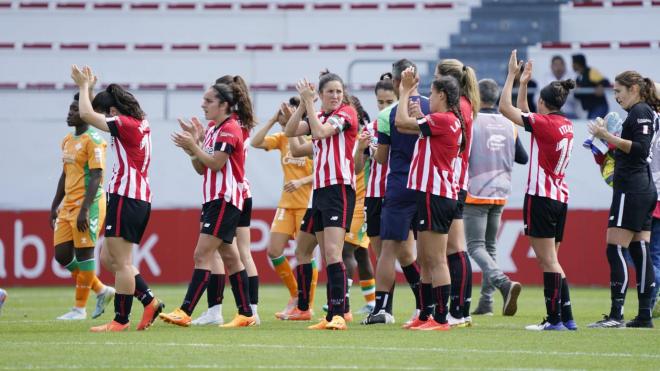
{"points": [[350, 347]]}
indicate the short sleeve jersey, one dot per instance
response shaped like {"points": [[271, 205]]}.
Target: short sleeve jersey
{"points": [[228, 182], [80, 154], [402, 147], [333, 156], [131, 144], [436, 154], [375, 173], [550, 152], [293, 168]]}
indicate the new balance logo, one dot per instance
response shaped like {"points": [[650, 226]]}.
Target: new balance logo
{"points": [[334, 218], [206, 225], [108, 228], [421, 222], [612, 217]]}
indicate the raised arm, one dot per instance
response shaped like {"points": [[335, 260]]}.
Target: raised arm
{"points": [[258, 138], [84, 79], [299, 147], [403, 121], [506, 107], [360, 156], [526, 76], [295, 126]]}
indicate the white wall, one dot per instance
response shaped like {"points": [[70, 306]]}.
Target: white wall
{"points": [[634, 23], [30, 158]]}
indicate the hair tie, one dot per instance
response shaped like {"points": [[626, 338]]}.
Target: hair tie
{"points": [[464, 68]]}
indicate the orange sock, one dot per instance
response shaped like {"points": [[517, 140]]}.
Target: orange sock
{"points": [[83, 284], [369, 290], [285, 272], [312, 288], [97, 285]]}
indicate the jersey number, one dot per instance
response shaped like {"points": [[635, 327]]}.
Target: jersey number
{"points": [[565, 146]]}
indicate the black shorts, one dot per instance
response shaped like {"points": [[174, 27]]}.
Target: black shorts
{"points": [[220, 219], [246, 214], [462, 195], [307, 224], [372, 210], [544, 217], [126, 217], [333, 206], [435, 213], [632, 211]]}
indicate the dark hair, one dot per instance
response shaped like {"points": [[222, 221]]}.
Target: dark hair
{"points": [[466, 78], [557, 57], [399, 66], [76, 97], [242, 104], [116, 96], [449, 85], [555, 93], [224, 94], [385, 83], [579, 59], [326, 76], [294, 101], [647, 90], [489, 91], [363, 116]]}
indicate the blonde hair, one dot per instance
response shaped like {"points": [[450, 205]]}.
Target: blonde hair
{"points": [[466, 78]]}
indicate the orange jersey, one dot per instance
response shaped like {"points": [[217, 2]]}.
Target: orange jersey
{"points": [[293, 168], [80, 154]]}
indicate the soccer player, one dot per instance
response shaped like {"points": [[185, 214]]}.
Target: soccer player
{"points": [[220, 158], [460, 267], [293, 202], [78, 222], [244, 114], [376, 174], [356, 243], [545, 206], [432, 175], [116, 111], [634, 197], [399, 206], [334, 131], [306, 271]]}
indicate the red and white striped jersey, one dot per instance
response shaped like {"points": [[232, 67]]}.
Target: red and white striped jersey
{"points": [[246, 137], [131, 144], [333, 156], [436, 153], [377, 172], [552, 144], [228, 182], [462, 166]]}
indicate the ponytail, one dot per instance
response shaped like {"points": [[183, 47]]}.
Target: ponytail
{"points": [[467, 78], [116, 96], [241, 103], [449, 85], [650, 94]]}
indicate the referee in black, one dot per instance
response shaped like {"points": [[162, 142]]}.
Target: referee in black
{"points": [[634, 197]]}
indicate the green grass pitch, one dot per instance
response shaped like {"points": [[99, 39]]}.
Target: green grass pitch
{"points": [[30, 338]]}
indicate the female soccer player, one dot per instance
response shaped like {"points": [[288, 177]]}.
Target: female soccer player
{"points": [[459, 263], [129, 196], [545, 206], [78, 222], [432, 177], [334, 131], [293, 202], [221, 160], [634, 197]]}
